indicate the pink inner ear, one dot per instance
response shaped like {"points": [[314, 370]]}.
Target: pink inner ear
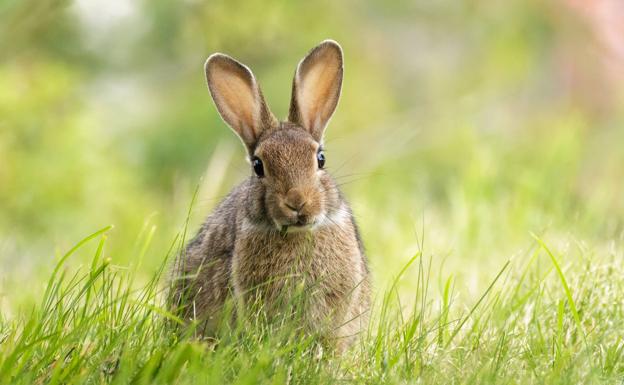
{"points": [[236, 100], [316, 95], [318, 88]]}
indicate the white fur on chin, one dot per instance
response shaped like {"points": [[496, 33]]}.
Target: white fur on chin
{"points": [[339, 218]]}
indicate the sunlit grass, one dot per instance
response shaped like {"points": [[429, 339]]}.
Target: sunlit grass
{"points": [[479, 143], [99, 325]]}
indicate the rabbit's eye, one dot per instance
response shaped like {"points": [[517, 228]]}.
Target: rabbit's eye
{"points": [[257, 166], [320, 157]]}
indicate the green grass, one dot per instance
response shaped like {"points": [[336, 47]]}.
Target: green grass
{"points": [[536, 322], [479, 144]]}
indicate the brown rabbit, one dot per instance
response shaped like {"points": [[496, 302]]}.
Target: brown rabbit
{"points": [[287, 222]]}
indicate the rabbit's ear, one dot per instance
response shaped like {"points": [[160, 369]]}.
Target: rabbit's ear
{"points": [[316, 88], [238, 98]]}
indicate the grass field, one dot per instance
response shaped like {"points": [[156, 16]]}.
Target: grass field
{"points": [[479, 143], [536, 322], [506, 283], [549, 312]]}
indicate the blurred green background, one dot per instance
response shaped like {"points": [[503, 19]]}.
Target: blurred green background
{"points": [[466, 124]]}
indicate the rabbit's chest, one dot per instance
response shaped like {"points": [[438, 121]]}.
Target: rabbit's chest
{"points": [[272, 265]]}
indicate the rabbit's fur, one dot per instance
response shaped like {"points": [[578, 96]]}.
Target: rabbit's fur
{"points": [[288, 226]]}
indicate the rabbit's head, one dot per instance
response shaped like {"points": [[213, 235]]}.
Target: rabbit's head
{"points": [[294, 190]]}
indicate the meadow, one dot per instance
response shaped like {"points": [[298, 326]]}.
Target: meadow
{"points": [[480, 145]]}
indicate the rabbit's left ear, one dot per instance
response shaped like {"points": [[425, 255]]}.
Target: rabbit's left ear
{"points": [[316, 88]]}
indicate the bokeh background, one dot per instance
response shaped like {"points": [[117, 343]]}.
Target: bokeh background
{"points": [[463, 126]]}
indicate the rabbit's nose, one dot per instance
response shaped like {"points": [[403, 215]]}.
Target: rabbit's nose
{"points": [[295, 200]]}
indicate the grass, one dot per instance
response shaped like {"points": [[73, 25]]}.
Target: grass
{"points": [[482, 302], [535, 323], [486, 124]]}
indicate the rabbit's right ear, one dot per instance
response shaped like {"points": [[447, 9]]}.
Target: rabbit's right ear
{"points": [[238, 98]]}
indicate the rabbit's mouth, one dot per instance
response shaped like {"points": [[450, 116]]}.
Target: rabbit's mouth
{"points": [[295, 228], [299, 226]]}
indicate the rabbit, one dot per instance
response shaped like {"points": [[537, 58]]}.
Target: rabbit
{"points": [[288, 221]]}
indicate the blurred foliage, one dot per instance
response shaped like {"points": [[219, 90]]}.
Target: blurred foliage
{"points": [[475, 121]]}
